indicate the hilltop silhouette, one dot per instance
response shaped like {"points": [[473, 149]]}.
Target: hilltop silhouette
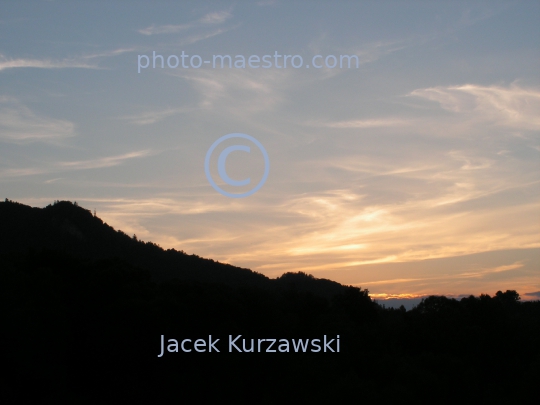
{"points": [[83, 309], [66, 227]]}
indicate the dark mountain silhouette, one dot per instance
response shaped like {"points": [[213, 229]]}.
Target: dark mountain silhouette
{"points": [[83, 308], [64, 226]]}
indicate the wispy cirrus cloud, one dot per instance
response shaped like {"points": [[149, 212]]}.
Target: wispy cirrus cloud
{"points": [[104, 54], [237, 91], [164, 29], [352, 56], [512, 106], [104, 161], [213, 18], [217, 17], [19, 124], [479, 273], [151, 117], [375, 50], [200, 37], [10, 63], [366, 123], [79, 62], [57, 167]]}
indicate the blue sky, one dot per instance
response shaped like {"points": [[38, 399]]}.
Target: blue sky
{"points": [[416, 173]]}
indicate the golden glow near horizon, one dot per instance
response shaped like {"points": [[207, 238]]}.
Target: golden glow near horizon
{"points": [[417, 173]]}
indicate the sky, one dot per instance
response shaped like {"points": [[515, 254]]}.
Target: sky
{"points": [[414, 170]]}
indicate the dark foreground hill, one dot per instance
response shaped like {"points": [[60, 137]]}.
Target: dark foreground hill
{"points": [[69, 228], [82, 323]]}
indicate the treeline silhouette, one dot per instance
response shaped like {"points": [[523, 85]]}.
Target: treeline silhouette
{"points": [[66, 227], [83, 307]]}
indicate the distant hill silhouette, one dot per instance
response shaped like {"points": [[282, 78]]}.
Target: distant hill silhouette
{"points": [[66, 227]]}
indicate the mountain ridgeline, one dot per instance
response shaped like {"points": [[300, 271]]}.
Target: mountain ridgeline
{"points": [[90, 315], [66, 227]]}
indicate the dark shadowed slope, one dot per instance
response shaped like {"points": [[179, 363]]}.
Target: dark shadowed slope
{"points": [[82, 327], [66, 227], [71, 229]]}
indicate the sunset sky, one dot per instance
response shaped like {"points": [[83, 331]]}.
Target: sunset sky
{"points": [[416, 173]]}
